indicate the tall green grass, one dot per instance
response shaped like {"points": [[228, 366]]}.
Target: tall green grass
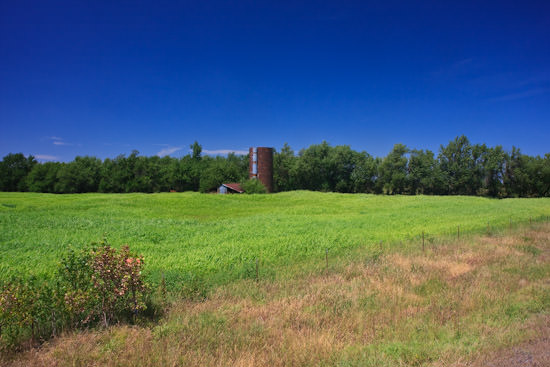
{"points": [[213, 239]]}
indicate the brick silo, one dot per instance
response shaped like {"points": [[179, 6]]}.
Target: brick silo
{"points": [[261, 166]]}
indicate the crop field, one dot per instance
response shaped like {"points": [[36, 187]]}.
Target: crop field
{"points": [[340, 279], [483, 300], [214, 239]]}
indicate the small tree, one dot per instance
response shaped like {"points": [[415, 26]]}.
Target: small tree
{"points": [[101, 284], [91, 285], [116, 278], [253, 186]]}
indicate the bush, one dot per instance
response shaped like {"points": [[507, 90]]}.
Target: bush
{"points": [[117, 283], [253, 186], [100, 285]]}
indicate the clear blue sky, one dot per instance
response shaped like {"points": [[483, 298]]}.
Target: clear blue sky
{"points": [[104, 77]]}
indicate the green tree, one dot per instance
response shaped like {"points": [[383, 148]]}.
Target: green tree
{"points": [[341, 163], [80, 175], [108, 181], [219, 170], [424, 173], [311, 170], [283, 169], [538, 169], [14, 169], [458, 166], [253, 186], [43, 177], [493, 164], [365, 173], [196, 148], [544, 178], [516, 179], [325, 168], [392, 172]]}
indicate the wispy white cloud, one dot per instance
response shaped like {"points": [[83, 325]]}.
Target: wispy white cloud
{"points": [[116, 144], [225, 151], [168, 151], [60, 142], [454, 69], [46, 157], [542, 78], [521, 95], [56, 140]]}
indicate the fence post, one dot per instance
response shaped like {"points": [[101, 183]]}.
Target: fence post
{"points": [[163, 291], [53, 324], [457, 319], [422, 241]]}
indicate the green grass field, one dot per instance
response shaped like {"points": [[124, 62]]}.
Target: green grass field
{"points": [[397, 305], [216, 238]]}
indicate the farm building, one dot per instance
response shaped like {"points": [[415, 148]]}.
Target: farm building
{"points": [[230, 188], [261, 166]]}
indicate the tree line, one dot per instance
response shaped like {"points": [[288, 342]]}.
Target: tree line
{"points": [[459, 168]]}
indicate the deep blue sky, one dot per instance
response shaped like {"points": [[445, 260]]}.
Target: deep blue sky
{"points": [[105, 77]]}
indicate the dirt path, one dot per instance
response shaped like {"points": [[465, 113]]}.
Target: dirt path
{"points": [[532, 353]]}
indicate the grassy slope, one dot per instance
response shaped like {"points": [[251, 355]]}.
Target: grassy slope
{"points": [[403, 307], [218, 237]]}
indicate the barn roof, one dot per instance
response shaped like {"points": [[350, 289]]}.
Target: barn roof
{"points": [[234, 187]]}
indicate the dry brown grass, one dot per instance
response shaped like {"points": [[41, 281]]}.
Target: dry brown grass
{"points": [[533, 352], [451, 304]]}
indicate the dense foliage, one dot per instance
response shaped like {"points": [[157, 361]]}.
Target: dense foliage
{"points": [[99, 285], [253, 186], [460, 168]]}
